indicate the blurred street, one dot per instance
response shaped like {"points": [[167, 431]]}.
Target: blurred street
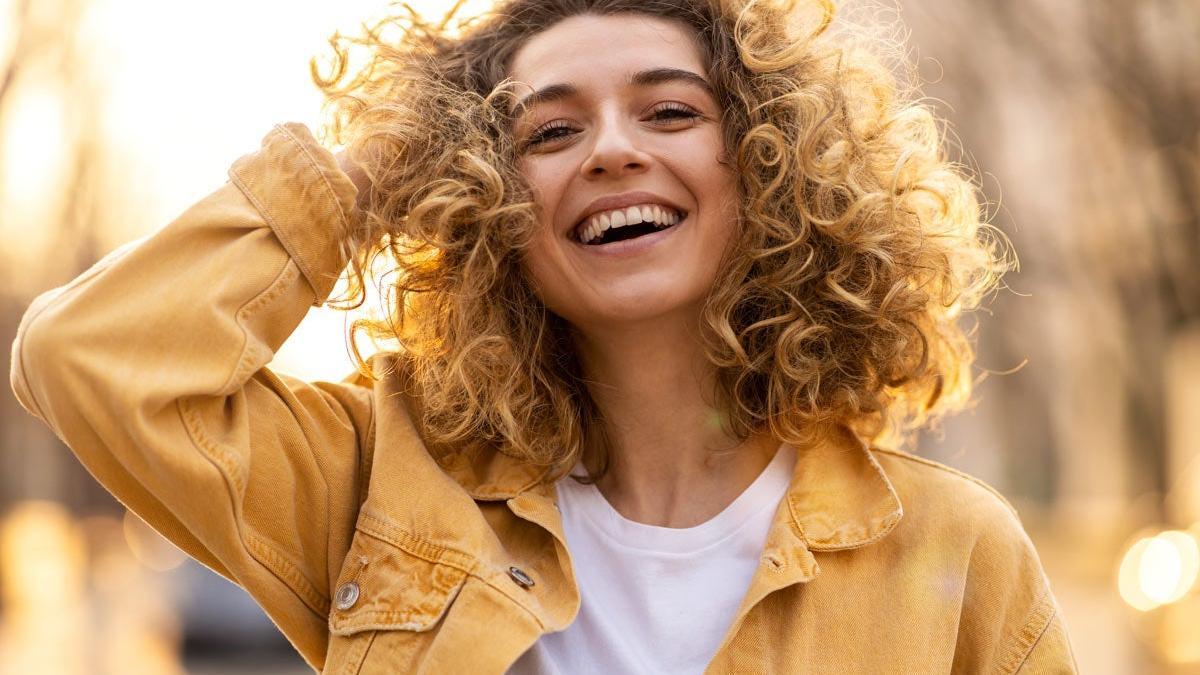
{"points": [[1078, 119]]}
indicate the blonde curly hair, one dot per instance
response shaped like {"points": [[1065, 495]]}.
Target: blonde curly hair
{"points": [[860, 243]]}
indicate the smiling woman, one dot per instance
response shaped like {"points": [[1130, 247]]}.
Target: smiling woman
{"points": [[838, 306], [671, 279]]}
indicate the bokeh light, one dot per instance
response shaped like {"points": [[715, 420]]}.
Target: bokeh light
{"points": [[1159, 570], [42, 583]]}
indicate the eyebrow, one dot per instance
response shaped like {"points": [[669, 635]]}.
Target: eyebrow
{"points": [[643, 78]]}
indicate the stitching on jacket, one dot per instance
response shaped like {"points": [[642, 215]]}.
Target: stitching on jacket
{"points": [[1030, 635], [331, 194], [414, 546], [504, 589], [401, 619], [429, 552], [214, 453], [948, 469], [264, 553], [355, 659], [883, 532], [269, 218], [227, 464], [312, 162], [367, 457], [279, 284], [288, 572]]}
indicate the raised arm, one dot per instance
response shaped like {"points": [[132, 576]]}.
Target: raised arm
{"points": [[151, 367]]}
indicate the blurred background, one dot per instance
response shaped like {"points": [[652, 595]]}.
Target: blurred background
{"points": [[1079, 117]]}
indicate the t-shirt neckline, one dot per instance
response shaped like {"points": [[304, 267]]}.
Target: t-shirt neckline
{"points": [[764, 492]]}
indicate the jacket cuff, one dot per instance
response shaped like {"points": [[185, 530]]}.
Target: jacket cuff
{"points": [[305, 197]]}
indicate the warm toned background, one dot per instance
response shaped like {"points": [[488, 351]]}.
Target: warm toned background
{"points": [[1080, 118]]}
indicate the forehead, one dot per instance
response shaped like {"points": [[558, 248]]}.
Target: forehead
{"points": [[588, 48]]}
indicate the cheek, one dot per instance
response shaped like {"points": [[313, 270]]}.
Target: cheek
{"points": [[717, 192], [536, 261], [546, 180], [541, 263]]}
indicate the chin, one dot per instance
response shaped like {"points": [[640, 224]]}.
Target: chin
{"points": [[630, 309]]}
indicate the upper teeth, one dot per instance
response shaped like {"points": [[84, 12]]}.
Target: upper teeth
{"points": [[598, 223]]}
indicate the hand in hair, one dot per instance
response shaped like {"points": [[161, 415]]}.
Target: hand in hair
{"points": [[356, 175]]}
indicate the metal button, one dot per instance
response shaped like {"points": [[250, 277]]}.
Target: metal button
{"points": [[347, 595], [520, 577]]}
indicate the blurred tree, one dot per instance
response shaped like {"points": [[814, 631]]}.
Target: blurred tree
{"points": [[1085, 113]]}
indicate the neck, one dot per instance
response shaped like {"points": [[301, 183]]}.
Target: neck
{"points": [[672, 462]]}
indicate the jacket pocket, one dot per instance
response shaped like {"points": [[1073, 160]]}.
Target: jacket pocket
{"points": [[387, 602]]}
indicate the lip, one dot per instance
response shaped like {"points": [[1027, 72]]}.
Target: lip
{"points": [[620, 201]]}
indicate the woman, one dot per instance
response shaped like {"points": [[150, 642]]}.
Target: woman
{"points": [[668, 277]]}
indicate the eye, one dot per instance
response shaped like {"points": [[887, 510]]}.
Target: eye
{"points": [[549, 132], [672, 111]]}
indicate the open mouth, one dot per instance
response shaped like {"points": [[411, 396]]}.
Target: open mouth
{"points": [[628, 223]]}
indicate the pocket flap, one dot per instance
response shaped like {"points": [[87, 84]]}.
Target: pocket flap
{"points": [[382, 586]]}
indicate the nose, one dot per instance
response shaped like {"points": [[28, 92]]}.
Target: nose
{"points": [[614, 151]]}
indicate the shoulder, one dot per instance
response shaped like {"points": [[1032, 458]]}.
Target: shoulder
{"points": [[964, 513], [927, 488], [970, 527]]}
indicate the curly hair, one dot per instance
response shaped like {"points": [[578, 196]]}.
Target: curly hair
{"points": [[860, 243]]}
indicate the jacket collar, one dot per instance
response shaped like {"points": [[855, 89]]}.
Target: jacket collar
{"points": [[840, 498]]}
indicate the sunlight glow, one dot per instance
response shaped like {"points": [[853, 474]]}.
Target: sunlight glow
{"points": [[178, 107], [318, 349], [33, 145], [182, 106]]}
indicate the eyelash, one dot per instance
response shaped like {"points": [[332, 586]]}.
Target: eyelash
{"points": [[542, 134]]}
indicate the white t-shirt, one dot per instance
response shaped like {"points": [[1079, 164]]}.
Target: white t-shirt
{"points": [[655, 599]]}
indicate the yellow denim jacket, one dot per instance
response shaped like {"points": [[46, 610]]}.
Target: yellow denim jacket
{"points": [[322, 501]]}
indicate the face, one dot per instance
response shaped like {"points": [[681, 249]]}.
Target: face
{"points": [[619, 114]]}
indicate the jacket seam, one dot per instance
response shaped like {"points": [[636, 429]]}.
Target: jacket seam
{"points": [[274, 290], [286, 571], [331, 194], [427, 551], [357, 660], [883, 532], [418, 547], [950, 470], [1031, 634], [254, 544], [488, 582], [266, 555], [316, 167], [267, 217], [367, 457], [412, 618]]}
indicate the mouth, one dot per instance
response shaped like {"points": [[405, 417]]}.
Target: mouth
{"points": [[609, 227]]}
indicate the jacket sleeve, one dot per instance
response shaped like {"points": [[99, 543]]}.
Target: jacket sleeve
{"points": [[150, 366], [1011, 621]]}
